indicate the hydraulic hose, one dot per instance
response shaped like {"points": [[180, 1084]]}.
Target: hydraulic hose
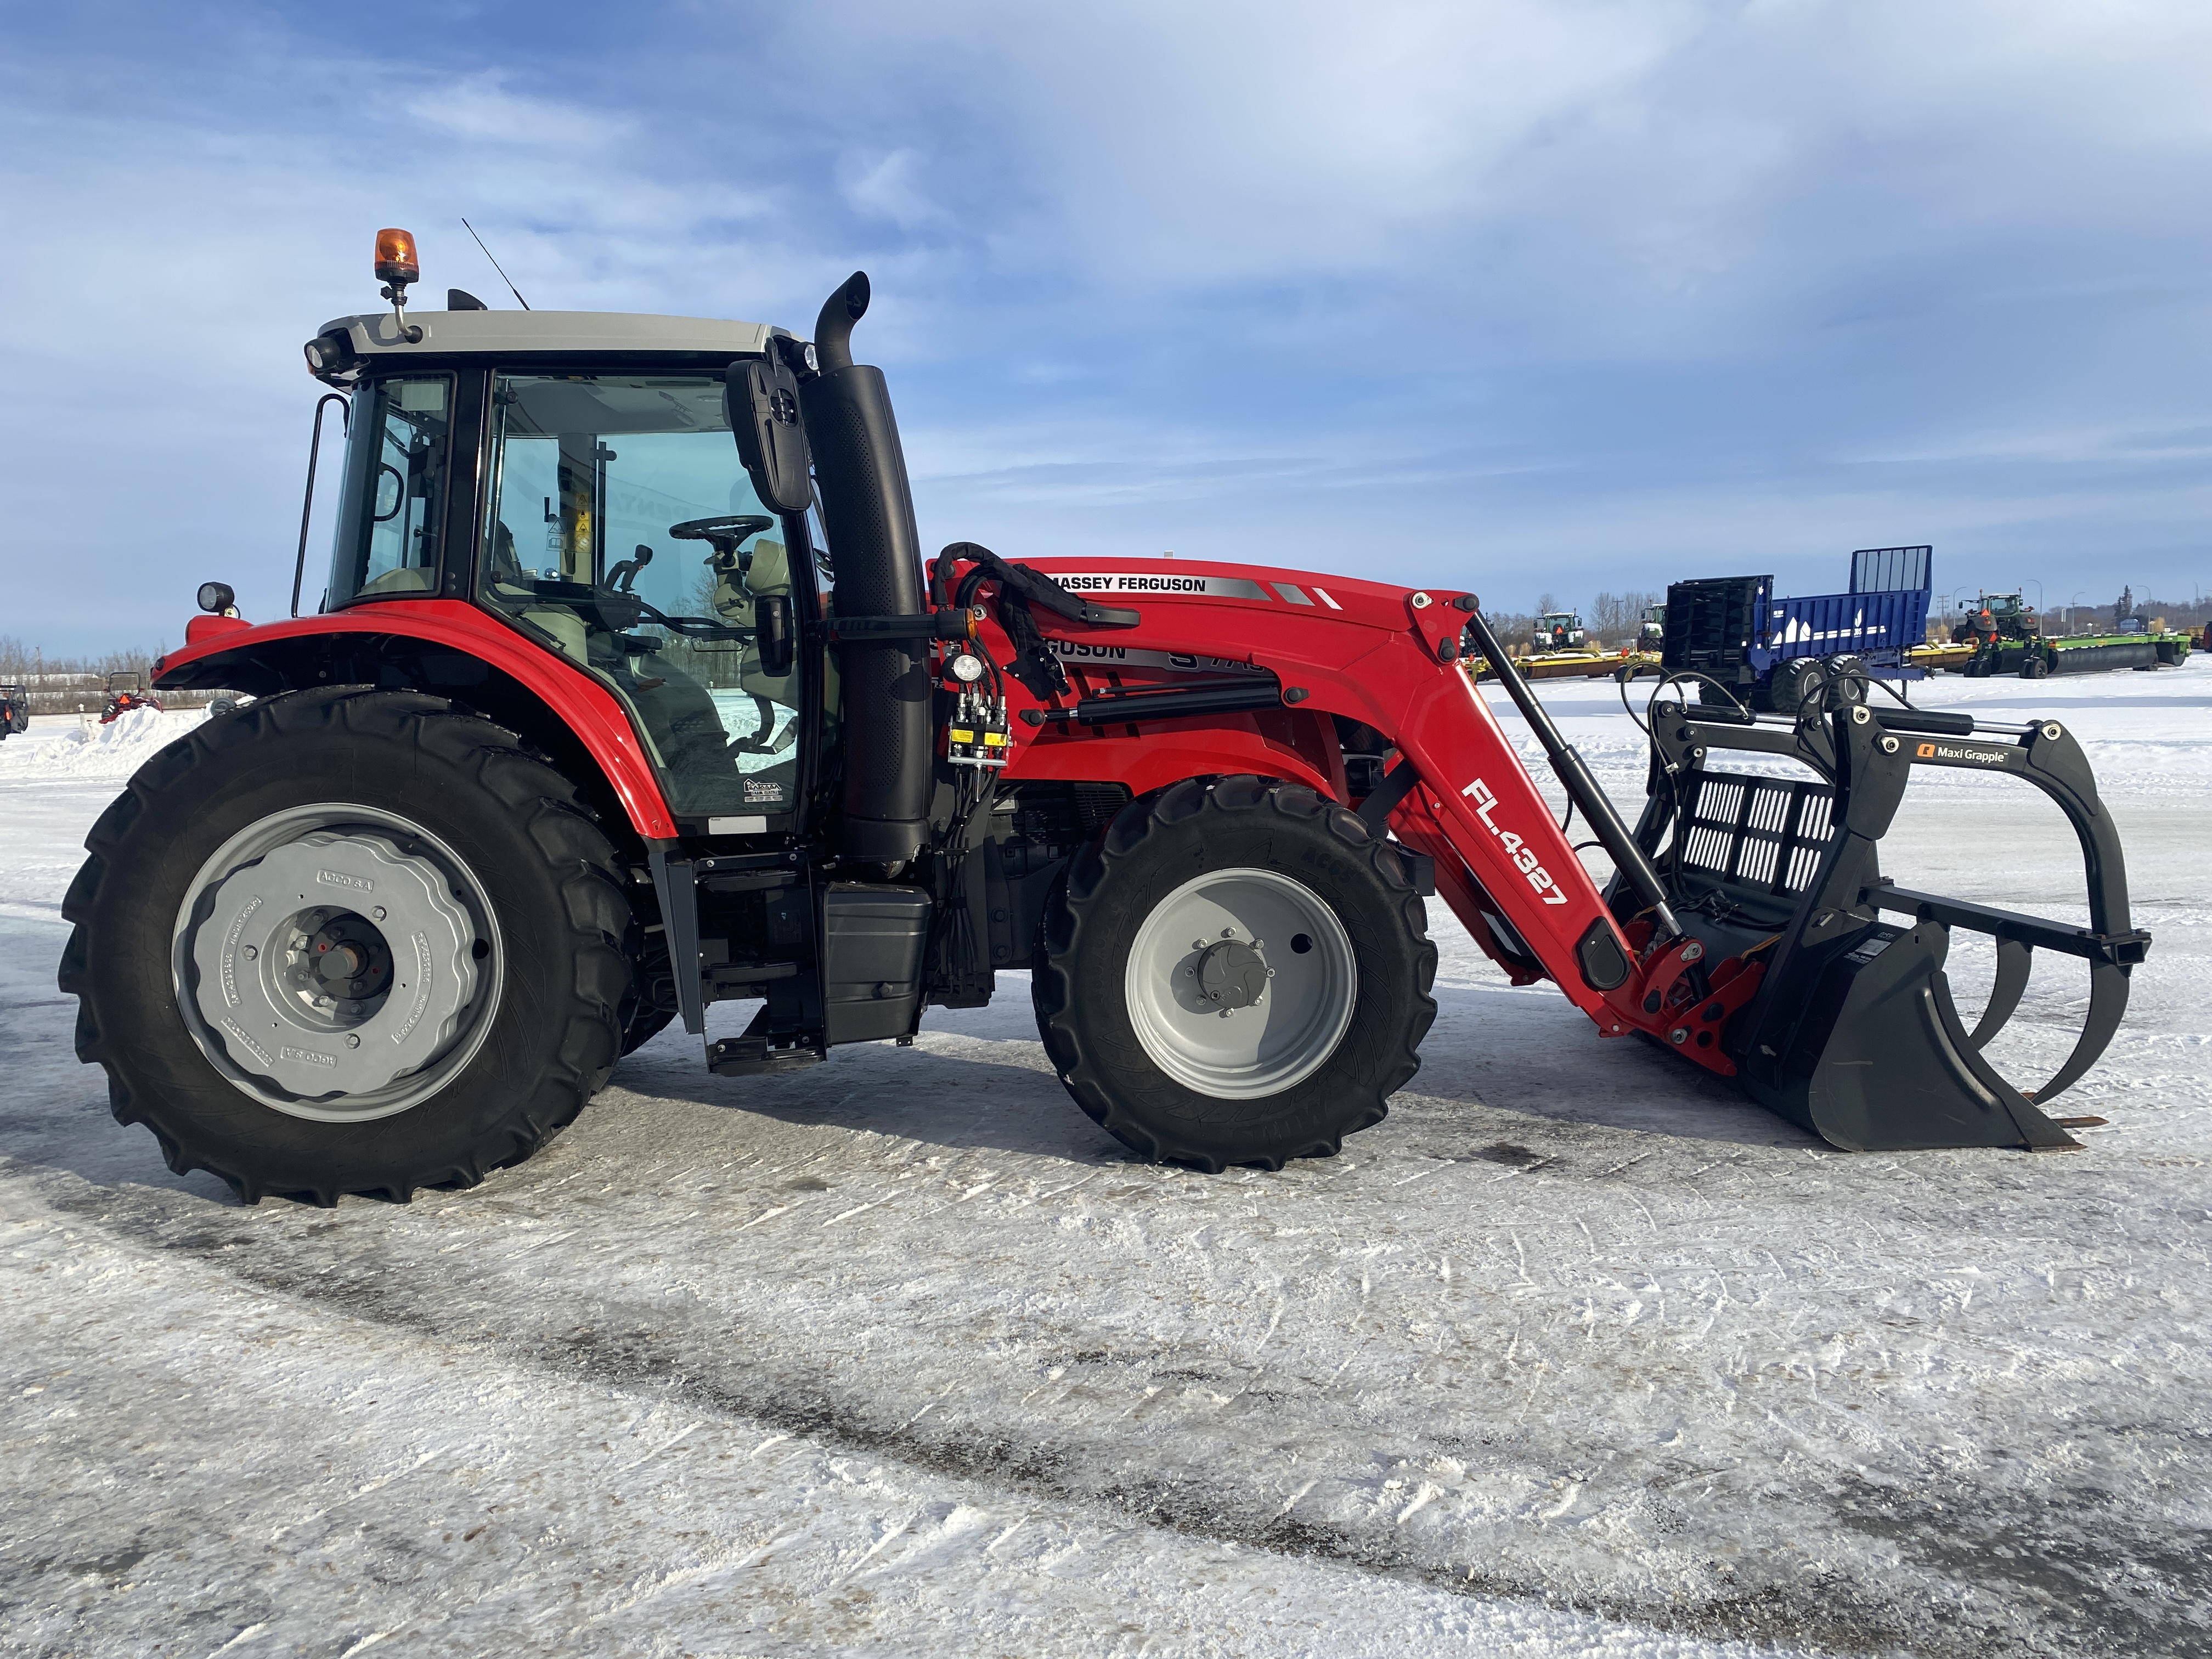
{"points": [[1581, 788]]}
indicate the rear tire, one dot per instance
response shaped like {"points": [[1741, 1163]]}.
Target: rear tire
{"points": [[1798, 682], [1849, 681], [525, 1019], [1332, 1015], [2034, 665]]}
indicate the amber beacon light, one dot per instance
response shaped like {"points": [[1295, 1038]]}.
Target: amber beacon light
{"points": [[395, 257], [396, 267]]}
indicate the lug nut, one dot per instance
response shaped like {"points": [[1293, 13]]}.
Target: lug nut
{"points": [[352, 1042], [377, 914], [249, 953]]}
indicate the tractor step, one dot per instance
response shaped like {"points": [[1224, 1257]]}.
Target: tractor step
{"points": [[743, 1057], [758, 1051]]}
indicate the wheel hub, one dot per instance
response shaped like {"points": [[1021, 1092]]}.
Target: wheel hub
{"points": [[1214, 1011], [1232, 973], [335, 965]]}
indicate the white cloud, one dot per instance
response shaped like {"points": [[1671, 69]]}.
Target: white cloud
{"points": [[480, 109], [888, 189]]}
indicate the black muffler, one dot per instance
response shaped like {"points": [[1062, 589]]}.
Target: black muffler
{"points": [[868, 515]]}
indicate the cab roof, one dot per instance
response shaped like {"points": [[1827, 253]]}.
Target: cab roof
{"points": [[375, 335]]}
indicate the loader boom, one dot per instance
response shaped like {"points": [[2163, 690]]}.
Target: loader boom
{"points": [[1385, 658]]}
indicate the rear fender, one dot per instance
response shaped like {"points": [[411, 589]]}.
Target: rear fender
{"points": [[453, 649]]}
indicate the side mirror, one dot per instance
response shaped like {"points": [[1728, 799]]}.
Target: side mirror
{"points": [[762, 397], [773, 634]]}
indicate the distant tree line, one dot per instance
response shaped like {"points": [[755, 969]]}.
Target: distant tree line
{"points": [[63, 684]]}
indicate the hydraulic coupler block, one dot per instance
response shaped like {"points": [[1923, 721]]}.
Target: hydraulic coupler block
{"points": [[976, 735]]}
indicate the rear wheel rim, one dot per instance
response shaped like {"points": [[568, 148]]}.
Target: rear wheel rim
{"points": [[337, 962], [1282, 1037]]}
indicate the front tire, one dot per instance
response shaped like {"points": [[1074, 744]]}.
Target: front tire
{"points": [[1237, 973], [235, 976]]}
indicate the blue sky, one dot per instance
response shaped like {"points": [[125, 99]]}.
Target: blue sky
{"points": [[1540, 296]]}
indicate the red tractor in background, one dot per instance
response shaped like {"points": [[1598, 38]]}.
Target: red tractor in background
{"points": [[631, 691], [124, 692]]}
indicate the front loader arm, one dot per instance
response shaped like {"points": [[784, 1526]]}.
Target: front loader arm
{"points": [[1387, 657]]}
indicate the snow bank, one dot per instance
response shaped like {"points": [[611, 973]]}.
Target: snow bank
{"points": [[58, 748]]}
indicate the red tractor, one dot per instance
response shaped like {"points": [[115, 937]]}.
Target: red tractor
{"points": [[124, 693], [631, 691]]}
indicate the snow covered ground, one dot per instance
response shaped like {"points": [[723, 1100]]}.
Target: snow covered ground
{"points": [[1576, 1354]]}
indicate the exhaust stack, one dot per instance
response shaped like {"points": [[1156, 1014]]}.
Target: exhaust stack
{"points": [[867, 514]]}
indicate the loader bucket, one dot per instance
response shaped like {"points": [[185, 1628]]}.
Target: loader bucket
{"points": [[1853, 1033]]}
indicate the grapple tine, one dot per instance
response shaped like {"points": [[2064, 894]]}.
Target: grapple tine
{"points": [[2108, 1001], [2013, 965]]}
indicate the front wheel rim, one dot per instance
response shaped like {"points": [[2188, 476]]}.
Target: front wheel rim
{"points": [[1249, 1048], [337, 962]]}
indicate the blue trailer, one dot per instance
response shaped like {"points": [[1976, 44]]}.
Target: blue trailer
{"points": [[1775, 654]]}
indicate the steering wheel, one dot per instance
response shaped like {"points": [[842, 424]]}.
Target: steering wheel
{"points": [[722, 534]]}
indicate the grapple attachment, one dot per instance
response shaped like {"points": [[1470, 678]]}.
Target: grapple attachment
{"points": [[1853, 1033]]}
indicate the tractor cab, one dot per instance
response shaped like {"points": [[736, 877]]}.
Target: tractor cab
{"points": [[2003, 616], [575, 477], [1558, 630]]}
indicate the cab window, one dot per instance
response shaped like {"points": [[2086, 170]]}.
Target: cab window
{"points": [[621, 530], [394, 503]]}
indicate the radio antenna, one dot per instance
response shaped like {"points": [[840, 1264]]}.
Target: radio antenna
{"points": [[495, 265]]}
